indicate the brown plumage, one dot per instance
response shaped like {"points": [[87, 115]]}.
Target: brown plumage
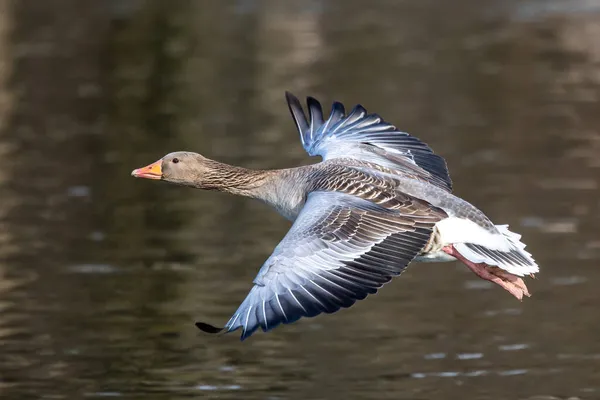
{"points": [[379, 200]]}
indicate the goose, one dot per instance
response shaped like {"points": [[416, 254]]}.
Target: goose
{"points": [[379, 199]]}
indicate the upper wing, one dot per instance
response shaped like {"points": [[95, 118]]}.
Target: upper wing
{"points": [[366, 137], [340, 249]]}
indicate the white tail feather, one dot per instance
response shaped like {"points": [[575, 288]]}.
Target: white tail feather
{"points": [[494, 259]]}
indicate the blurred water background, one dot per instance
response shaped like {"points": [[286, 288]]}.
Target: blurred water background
{"points": [[102, 276]]}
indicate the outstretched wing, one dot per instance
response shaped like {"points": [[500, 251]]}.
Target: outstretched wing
{"points": [[365, 137], [339, 250]]}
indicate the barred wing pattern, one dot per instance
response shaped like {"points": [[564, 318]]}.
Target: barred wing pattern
{"points": [[367, 137], [339, 250]]}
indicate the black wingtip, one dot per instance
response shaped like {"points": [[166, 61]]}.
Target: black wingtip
{"points": [[290, 98], [338, 111], [208, 328], [297, 113], [312, 101], [315, 112]]}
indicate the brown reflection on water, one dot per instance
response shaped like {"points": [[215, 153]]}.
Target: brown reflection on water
{"points": [[102, 276]]}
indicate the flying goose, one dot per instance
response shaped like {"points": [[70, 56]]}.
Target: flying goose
{"points": [[379, 199]]}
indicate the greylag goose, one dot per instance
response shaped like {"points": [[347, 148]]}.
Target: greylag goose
{"points": [[379, 199]]}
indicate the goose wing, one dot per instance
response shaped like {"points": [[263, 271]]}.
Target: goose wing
{"points": [[366, 137], [339, 250]]}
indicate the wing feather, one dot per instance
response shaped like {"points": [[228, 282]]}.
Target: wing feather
{"points": [[365, 137], [365, 246]]}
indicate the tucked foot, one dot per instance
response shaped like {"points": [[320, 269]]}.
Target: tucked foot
{"points": [[512, 283], [509, 282], [508, 277]]}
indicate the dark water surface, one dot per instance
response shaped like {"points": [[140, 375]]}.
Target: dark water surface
{"points": [[102, 276]]}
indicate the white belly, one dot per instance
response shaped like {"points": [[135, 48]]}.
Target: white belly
{"points": [[454, 230], [459, 230], [438, 256]]}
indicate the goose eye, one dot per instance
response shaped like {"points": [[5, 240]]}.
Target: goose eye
{"points": [[175, 160]]}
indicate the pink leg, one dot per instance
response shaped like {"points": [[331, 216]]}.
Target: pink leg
{"points": [[512, 283]]}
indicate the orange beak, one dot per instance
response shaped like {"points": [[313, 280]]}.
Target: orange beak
{"points": [[152, 171]]}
